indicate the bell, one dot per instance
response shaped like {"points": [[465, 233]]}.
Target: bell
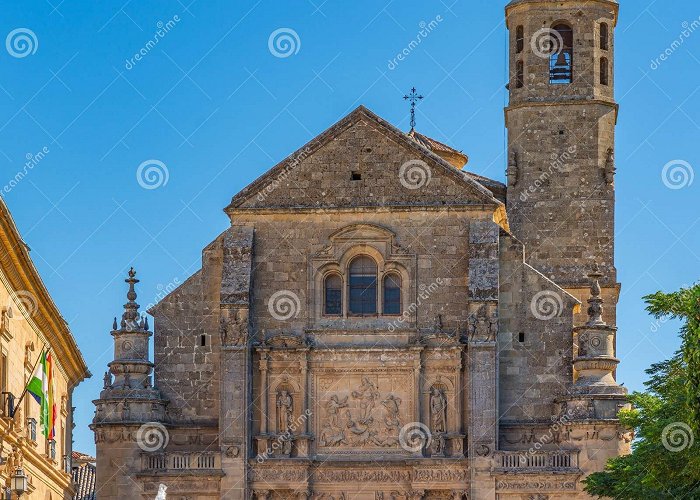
{"points": [[561, 60]]}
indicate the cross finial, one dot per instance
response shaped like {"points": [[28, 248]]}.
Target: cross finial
{"points": [[413, 97]]}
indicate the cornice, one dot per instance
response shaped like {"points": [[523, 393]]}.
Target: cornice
{"points": [[17, 272]]}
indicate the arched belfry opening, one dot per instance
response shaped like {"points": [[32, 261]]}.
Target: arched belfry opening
{"points": [[561, 61]]}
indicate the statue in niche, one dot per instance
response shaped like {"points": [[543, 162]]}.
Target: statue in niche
{"points": [[285, 410], [367, 394], [438, 410], [127, 381]]}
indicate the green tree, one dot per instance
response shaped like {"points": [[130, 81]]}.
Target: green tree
{"points": [[665, 459]]}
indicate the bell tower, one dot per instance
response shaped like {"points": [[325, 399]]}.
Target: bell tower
{"points": [[561, 123]]}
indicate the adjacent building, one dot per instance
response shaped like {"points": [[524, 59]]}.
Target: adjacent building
{"points": [[380, 323], [29, 323]]}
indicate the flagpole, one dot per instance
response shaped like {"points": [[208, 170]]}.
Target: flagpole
{"points": [[26, 385]]}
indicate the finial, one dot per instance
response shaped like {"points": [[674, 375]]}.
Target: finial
{"points": [[114, 325], [413, 97], [595, 303], [130, 318]]}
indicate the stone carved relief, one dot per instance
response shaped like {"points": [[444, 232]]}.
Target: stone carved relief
{"points": [[609, 169], [364, 418], [233, 327], [513, 169], [483, 324]]}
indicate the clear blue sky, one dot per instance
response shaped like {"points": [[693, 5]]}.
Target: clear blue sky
{"points": [[217, 108]]}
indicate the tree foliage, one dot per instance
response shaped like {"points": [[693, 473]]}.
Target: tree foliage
{"points": [[665, 459]]}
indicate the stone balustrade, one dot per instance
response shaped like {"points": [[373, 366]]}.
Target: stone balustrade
{"points": [[524, 461], [165, 462]]}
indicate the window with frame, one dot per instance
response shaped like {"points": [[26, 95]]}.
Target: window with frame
{"points": [[519, 39], [362, 287], [392, 294], [604, 71], [333, 295], [519, 74], [604, 36], [31, 428], [561, 61]]}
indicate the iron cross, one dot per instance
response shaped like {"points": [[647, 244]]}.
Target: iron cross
{"points": [[413, 97]]}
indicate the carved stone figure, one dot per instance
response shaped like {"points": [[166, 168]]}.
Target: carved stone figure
{"points": [[234, 329], [285, 411], [512, 172], [367, 394], [610, 169], [107, 380], [331, 433], [438, 410]]}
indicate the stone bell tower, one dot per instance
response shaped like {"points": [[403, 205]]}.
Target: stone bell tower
{"points": [[130, 410], [561, 122]]}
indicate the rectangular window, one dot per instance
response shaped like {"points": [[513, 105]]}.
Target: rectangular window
{"points": [[363, 295], [52, 449], [333, 301], [392, 300], [31, 428]]}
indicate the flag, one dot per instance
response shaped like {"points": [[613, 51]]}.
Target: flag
{"points": [[51, 423], [40, 386]]}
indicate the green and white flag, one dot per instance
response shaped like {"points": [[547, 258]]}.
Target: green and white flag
{"points": [[38, 387]]}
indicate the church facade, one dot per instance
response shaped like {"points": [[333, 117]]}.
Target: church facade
{"points": [[380, 323]]}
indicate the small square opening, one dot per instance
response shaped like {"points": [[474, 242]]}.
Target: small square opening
{"points": [[356, 176]]}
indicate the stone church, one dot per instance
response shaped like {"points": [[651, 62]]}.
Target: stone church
{"points": [[380, 323]]}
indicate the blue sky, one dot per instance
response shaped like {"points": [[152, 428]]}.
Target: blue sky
{"points": [[214, 105]]}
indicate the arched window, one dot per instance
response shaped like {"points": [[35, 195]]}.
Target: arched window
{"points": [[392, 294], [561, 61], [362, 287], [604, 36], [519, 39], [519, 75], [333, 296], [604, 71]]}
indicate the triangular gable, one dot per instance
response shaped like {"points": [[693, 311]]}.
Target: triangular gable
{"points": [[264, 192]]}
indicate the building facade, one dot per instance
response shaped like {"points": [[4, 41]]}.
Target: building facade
{"points": [[380, 323], [30, 322]]}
